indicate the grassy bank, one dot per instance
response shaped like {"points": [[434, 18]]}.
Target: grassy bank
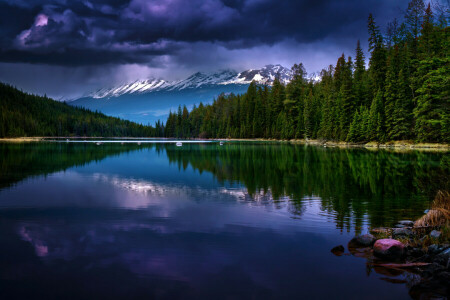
{"points": [[396, 145]]}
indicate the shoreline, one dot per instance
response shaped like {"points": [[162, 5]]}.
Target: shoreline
{"points": [[394, 145]]}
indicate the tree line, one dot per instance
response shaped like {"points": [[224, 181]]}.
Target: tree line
{"points": [[22, 114], [403, 94]]}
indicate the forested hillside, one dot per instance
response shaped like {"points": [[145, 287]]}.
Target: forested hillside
{"points": [[23, 114], [402, 95]]}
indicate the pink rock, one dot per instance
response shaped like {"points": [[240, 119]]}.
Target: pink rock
{"points": [[389, 249]]}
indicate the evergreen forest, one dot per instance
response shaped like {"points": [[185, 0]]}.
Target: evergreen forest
{"points": [[400, 93], [22, 115]]}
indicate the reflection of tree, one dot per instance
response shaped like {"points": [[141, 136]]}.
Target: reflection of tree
{"points": [[356, 184], [21, 160], [353, 184]]}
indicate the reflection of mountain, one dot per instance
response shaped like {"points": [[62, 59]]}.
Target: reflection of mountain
{"points": [[353, 185]]}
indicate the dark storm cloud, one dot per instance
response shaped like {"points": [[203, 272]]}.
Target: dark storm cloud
{"points": [[95, 32]]}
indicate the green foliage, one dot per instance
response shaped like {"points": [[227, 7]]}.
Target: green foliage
{"points": [[404, 94], [432, 111], [23, 114]]}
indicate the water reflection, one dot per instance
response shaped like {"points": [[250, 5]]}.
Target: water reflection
{"points": [[199, 221], [354, 185]]}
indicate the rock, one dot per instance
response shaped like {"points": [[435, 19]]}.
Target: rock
{"points": [[441, 260], [406, 223], [432, 270], [444, 258], [428, 289], [338, 250], [402, 232], [415, 252], [400, 226], [365, 240], [435, 234], [445, 253], [444, 276], [389, 249], [434, 249]]}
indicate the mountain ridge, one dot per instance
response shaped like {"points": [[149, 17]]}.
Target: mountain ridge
{"points": [[265, 75]]}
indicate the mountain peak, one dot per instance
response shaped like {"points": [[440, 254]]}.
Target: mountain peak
{"points": [[265, 75]]}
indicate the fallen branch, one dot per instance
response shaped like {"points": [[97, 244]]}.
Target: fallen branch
{"points": [[402, 266]]}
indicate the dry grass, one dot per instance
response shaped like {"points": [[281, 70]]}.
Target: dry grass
{"points": [[439, 214], [21, 139]]}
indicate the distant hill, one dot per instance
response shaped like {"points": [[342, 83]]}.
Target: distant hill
{"points": [[146, 101], [22, 114]]}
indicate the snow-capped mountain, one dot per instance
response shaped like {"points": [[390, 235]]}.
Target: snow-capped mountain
{"points": [[148, 100], [265, 75]]}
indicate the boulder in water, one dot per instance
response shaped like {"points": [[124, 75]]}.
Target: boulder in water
{"points": [[389, 249], [365, 240], [406, 223], [338, 250]]}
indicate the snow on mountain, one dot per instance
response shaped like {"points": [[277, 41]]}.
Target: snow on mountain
{"points": [[265, 75]]}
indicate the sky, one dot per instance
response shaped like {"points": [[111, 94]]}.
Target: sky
{"points": [[65, 48]]}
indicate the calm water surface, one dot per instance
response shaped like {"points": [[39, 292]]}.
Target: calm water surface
{"points": [[201, 221]]}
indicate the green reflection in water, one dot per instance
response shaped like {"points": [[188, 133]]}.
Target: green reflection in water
{"points": [[381, 186], [353, 184]]}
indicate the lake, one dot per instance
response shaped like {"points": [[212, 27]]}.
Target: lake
{"points": [[246, 220]]}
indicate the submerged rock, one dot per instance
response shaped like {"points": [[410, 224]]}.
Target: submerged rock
{"points": [[338, 250], [406, 223], [365, 240], [415, 252], [389, 249], [402, 232], [432, 270], [435, 234], [429, 289]]}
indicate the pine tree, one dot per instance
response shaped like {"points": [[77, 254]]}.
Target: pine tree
{"points": [[392, 34], [294, 103], [433, 101], [413, 19], [391, 92], [426, 46], [347, 100], [353, 133], [309, 116], [185, 126], [376, 116], [359, 78], [377, 60], [403, 109]]}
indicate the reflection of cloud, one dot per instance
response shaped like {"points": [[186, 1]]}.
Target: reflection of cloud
{"points": [[180, 232], [39, 246]]}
